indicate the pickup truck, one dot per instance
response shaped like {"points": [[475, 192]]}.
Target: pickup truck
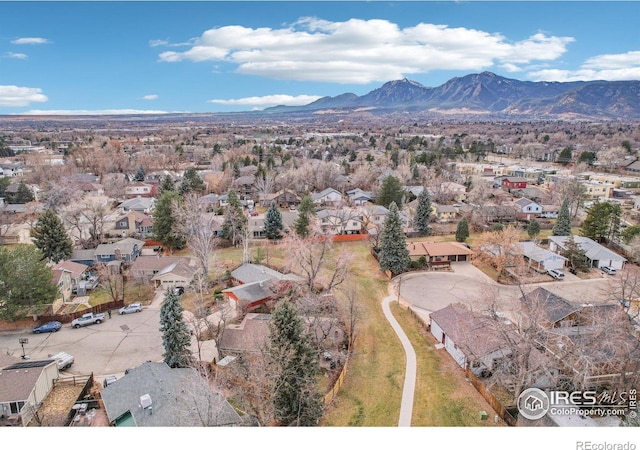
{"points": [[87, 319], [63, 359]]}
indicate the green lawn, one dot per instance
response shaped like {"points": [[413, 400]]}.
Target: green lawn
{"points": [[372, 390]]}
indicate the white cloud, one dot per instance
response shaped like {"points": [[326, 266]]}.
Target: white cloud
{"points": [[268, 100], [30, 40], [612, 67], [20, 96], [362, 51], [88, 112], [150, 97], [15, 55]]}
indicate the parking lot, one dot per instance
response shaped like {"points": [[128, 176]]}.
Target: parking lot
{"points": [[110, 347], [430, 291]]}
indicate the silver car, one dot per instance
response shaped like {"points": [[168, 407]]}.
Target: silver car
{"points": [[132, 308]]}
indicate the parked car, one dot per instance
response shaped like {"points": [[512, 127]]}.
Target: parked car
{"points": [[609, 270], [132, 308], [178, 290], [87, 319], [48, 327], [558, 275]]}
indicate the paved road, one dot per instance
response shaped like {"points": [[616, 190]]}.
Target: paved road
{"points": [[431, 291], [108, 348], [408, 389]]}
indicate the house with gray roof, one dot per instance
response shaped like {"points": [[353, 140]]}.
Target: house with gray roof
{"points": [[328, 196], [177, 274], [554, 311], [250, 273], [540, 258], [598, 255], [155, 395], [143, 205], [126, 250]]}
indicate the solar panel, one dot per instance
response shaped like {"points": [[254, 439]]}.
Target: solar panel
{"points": [[29, 364]]}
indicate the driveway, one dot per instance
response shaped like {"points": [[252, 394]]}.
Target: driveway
{"points": [[430, 291]]}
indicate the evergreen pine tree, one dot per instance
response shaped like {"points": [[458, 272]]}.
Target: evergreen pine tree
{"points": [[140, 175], [167, 185], [390, 191], [394, 254], [273, 223], [462, 230], [305, 211], [51, 238], [23, 194], [191, 182], [296, 396], [575, 254], [235, 220], [533, 228], [423, 214], [562, 226], [176, 338], [164, 226]]}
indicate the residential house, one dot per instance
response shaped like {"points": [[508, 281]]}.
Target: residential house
{"points": [[527, 209], [251, 273], [11, 170], [155, 395], [177, 274], [375, 215], [24, 385], [142, 205], [540, 258], [550, 211], [245, 185], [499, 213], [140, 189], [15, 233], [209, 202], [597, 189], [450, 190], [444, 213], [284, 198], [247, 297], [84, 256], [81, 279], [358, 197], [550, 310], [340, 221], [469, 338], [327, 197], [146, 266], [439, 251], [126, 250], [514, 182], [133, 223], [252, 334], [255, 225], [91, 189], [598, 255], [62, 280]]}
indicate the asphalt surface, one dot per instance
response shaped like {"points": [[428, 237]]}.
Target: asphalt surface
{"points": [[431, 291], [107, 348]]}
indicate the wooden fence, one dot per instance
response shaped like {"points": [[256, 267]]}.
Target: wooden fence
{"points": [[88, 384], [329, 396], [68, 317], [491, 399], [350, 237]]}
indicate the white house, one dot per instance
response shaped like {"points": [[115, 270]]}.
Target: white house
{"points": [[528, 209], [340, 221], [328, 196], [138, 189], [540, 258], [598, 255]]}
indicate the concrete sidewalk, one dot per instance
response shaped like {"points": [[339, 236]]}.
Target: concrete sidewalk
{"points": [[406, 405]]}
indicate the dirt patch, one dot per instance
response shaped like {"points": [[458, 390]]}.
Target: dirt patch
{"points": [[17, 324], [56, 406]]}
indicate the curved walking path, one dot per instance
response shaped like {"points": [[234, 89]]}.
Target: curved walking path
{"points": [[406, 405]]}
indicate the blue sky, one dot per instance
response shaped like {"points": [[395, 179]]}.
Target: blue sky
{"points": [[119, 57]]}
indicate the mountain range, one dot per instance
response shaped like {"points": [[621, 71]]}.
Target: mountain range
{"points": [[492, 95]]}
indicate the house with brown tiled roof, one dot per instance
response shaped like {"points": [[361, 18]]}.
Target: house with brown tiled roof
{"points": [[439, 251]]}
